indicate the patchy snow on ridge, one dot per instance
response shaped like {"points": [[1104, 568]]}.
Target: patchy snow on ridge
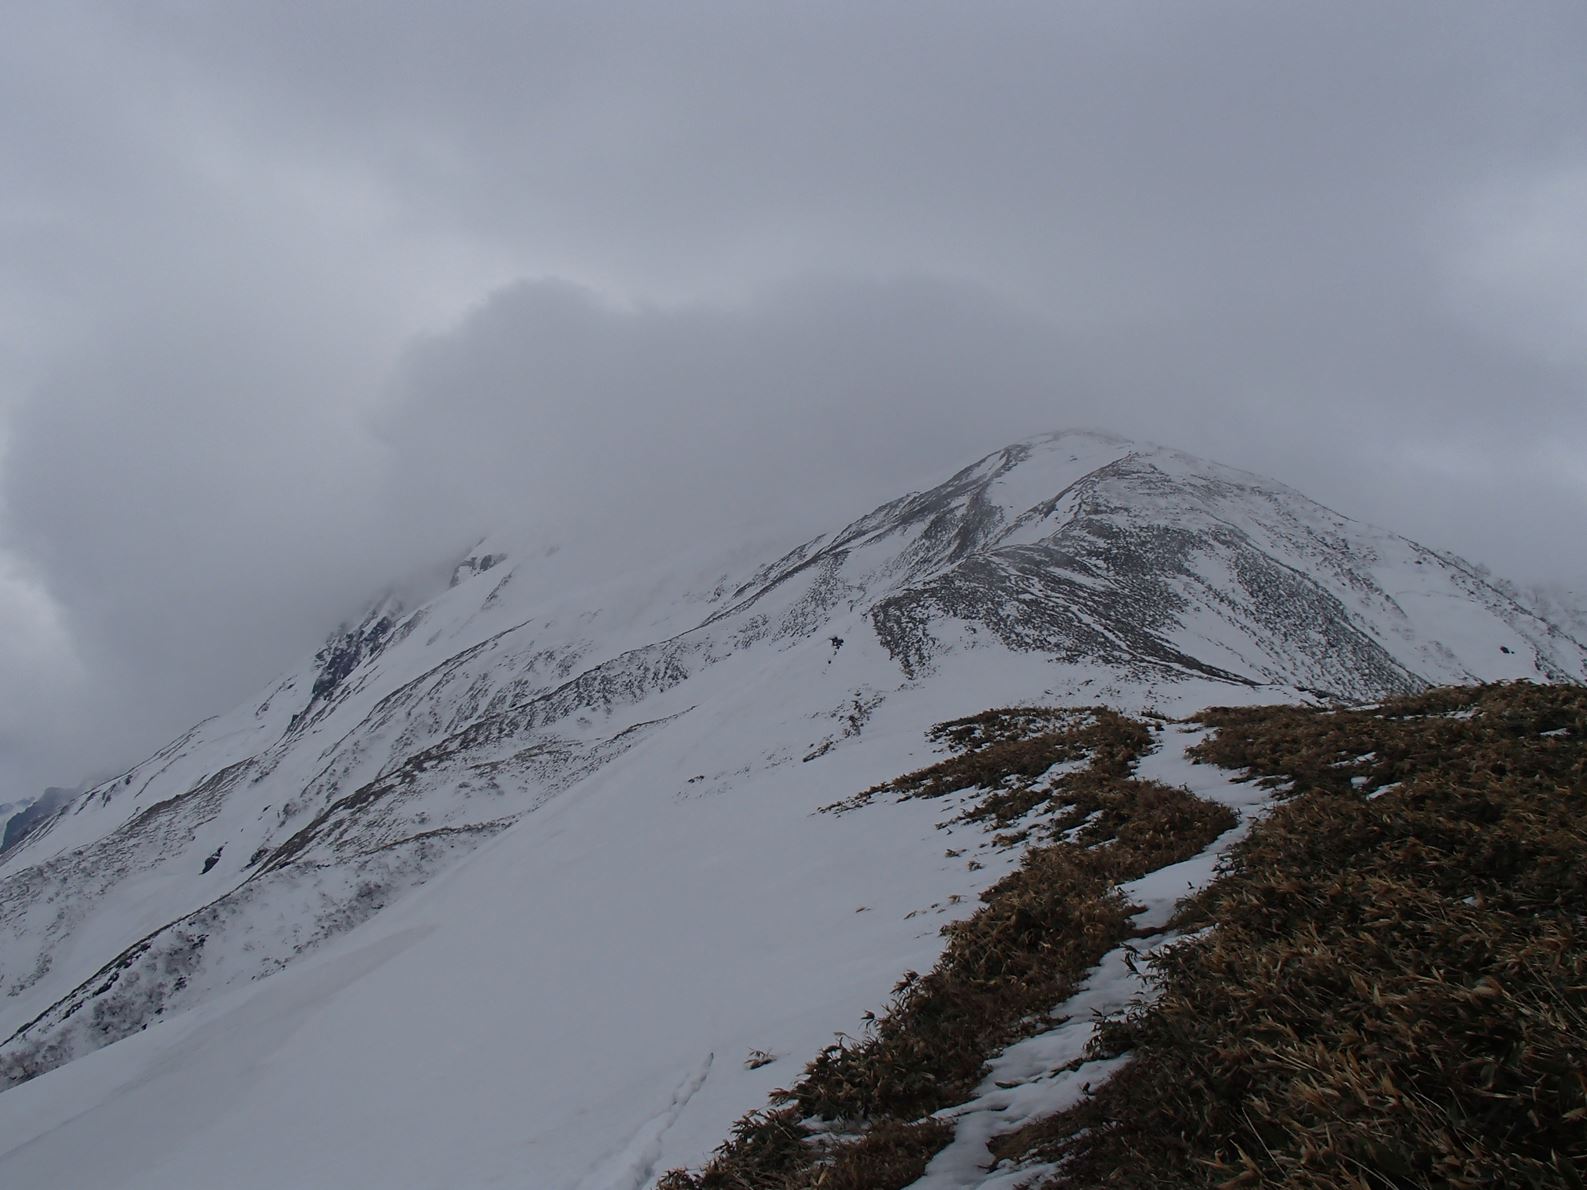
{"points": [[1049, 1072]]}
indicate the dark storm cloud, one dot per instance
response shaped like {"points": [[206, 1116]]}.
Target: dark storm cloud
{"points": [[295, 296]]}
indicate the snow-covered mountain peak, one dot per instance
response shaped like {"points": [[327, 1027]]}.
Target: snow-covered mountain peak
{"points": [[532, 700]]}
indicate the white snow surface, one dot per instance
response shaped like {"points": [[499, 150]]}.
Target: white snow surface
{"points": [[501, 887], [568, 1006]]}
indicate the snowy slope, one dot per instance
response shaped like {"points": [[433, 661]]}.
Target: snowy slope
{"points": [[532, 862], [1560, 604]]}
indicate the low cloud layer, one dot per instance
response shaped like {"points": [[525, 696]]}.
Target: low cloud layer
{"points": [[298, 298], [550, 408]]}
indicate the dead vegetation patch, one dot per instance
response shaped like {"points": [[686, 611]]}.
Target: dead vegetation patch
{"points": [[1016, 763], [1037, 934], [1387, 991]]}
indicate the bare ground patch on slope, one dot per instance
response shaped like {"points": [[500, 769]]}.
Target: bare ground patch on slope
{"points": [[861, 1114], [1389, 985]]}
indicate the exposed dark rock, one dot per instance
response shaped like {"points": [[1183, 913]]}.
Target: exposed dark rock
{"points": [[19, 825]]}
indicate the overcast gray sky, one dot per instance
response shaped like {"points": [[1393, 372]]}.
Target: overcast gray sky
{"points": [[294, 296]]}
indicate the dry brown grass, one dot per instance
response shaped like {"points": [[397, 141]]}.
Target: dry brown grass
{"points": [[1036, 935], [1003, 755], [1393, 990], [773, 1151]]}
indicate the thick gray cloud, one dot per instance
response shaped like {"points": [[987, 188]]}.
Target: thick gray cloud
{"points": [[298, 296], [562, 413]]}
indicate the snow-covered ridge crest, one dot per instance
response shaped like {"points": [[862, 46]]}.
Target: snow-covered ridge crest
{"points": [[1070, 567]]}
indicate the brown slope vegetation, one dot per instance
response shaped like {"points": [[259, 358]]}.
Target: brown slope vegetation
{"points": [[1035, 937], [1390, 985]]}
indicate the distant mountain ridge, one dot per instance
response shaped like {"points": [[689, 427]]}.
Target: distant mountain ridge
{"points": [[1073, 567]]}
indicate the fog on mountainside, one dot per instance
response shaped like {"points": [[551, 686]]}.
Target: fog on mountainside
{"points": [[581, 583]]}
